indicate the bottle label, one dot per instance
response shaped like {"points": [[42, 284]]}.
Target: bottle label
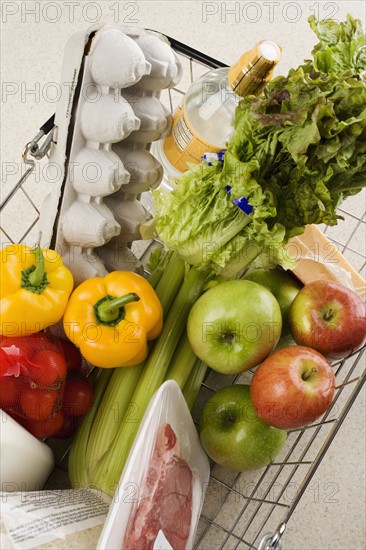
{"points": [[183, 145]]}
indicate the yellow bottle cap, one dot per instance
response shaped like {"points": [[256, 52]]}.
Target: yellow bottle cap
{"points": [[255, 68]]}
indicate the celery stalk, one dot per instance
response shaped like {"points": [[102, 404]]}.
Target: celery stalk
{"points": [[115, 406], [107, 474], [168, 285], [111, 411], [163, 260], [194, 382], [182, 363], [77, 464]]}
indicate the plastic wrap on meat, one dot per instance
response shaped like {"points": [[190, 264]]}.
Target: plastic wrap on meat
{"points": [[165, 498]]}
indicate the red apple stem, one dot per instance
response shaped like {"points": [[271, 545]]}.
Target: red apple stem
{"points": [[308, 373], [328, 315]]}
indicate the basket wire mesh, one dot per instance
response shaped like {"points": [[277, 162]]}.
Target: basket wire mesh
{"points": [[247, 510]]}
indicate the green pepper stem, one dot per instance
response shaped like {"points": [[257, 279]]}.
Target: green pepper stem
{"points": [[36, 277], [110, 310]]}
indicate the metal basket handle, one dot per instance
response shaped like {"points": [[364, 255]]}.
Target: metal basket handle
{"points": [[37, 152]]}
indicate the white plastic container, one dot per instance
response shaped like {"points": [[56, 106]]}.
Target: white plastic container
{"points": [[166, 68], [116, 60], [109, 79], [166, 407], [25, 462], [145, 171], [97, 173]]}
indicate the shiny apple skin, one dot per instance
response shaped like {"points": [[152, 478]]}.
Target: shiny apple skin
{"points": [[233, 435], [330, 318], [234, 325], [282, 397], [283, 285]]}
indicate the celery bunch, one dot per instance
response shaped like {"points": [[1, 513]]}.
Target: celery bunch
{"points": [[103, 442]]}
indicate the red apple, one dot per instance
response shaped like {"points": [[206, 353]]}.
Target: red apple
{"points": [[329, 317], [292, 387]]}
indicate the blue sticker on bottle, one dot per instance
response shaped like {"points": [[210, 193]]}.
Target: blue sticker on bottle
{"points": [[209, 157]]}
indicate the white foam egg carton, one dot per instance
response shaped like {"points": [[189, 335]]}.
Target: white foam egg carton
{"points": [[105, 121]]}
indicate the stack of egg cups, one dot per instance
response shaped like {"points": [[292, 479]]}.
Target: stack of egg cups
{"points": [[117, 117]]}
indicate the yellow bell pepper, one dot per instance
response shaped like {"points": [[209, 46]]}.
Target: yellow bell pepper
{"points": [[111, 318], [34, 289]]}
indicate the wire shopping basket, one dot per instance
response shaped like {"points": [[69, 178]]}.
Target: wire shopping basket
{"points": [[248, 510]]}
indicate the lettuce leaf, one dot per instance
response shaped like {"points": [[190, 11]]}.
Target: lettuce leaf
{"points": [[298, 150], [198, 217], [304, 139], [340, 46]]}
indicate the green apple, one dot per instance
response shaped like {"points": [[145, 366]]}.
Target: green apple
{"points": [[283, 285], [234, 325], [233, 435]]}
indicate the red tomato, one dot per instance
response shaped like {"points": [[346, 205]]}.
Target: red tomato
{"points": [[69, 427], [42, 340], [45, 428], [38, 404], [78, 396], [20, 347], [73, 356], [49, 368], [9, 390]]}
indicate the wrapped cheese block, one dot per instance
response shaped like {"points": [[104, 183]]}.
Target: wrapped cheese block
{"points": [[318, 258]]}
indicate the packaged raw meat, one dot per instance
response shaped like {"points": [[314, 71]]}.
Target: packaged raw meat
{"points": [[165, 498], [160, 494]]}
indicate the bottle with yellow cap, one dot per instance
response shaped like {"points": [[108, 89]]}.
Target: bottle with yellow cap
{"points": [[204, 121]]}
